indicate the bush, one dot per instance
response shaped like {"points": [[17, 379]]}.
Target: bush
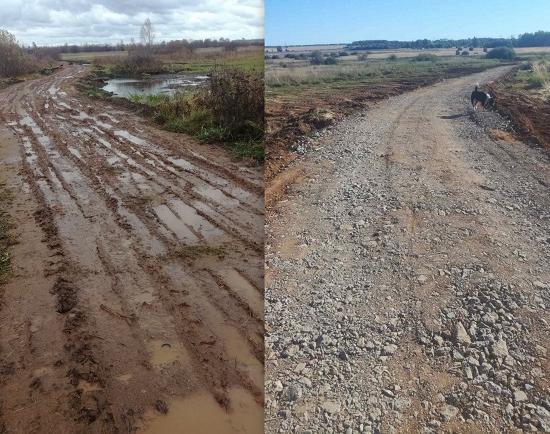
{"points": [[392, 57], [343, 53], [425, 57], [138, 62], [363, 57], [330, 61], [316, 58], [504, 53], [465, 53]]}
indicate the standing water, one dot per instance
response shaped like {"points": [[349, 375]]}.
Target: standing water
{"points": [[157, 84]]}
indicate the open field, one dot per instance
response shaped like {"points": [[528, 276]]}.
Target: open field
{"points": [[201, 60], [383, 54]]}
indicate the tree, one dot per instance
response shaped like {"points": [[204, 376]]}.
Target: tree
{"points": [[147, 33]]}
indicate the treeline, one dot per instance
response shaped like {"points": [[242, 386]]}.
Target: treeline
{"points": [[537, 39], [160, 47]]}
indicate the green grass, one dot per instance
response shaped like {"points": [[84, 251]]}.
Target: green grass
{"points": [[533, 77], [253, 149]]}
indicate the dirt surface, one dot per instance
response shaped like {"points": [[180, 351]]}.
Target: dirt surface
{"points": [[135, 302], [407, 278], [530, 115], [293, 116]]}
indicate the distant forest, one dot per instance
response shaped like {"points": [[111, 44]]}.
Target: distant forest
{"points": [[537, 39], [163, 46]]}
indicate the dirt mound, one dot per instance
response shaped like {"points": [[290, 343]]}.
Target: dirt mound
{"points": [[530, 115]]}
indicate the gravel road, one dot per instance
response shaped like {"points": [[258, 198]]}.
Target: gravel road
{"points": [[408, 278], [136, 301]]}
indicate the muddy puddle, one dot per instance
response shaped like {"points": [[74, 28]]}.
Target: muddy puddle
{"points": [[155, 85], [201, 414]]}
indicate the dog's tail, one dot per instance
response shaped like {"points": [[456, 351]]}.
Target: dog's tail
{"points": [[477, 87]]}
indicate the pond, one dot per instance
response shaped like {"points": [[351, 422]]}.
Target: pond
{"points": [[154, 85]]}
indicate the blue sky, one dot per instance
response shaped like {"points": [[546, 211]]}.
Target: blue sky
{"points": [[332, 21]]}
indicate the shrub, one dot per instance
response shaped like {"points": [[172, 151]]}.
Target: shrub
{"points": [[392, 57], [540, 75], [363, 57], [343, 53], [330, 61], [138, 62], [465, 53], [316, 58], [425, 57], [504, 53]]}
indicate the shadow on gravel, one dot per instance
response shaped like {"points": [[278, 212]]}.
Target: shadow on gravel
{"points": [[460, 115]]}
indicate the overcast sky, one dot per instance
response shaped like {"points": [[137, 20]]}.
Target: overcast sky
{"points": [[48, 22]]}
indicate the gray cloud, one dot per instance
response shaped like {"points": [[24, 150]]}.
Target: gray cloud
{"points": [[108, 21]]}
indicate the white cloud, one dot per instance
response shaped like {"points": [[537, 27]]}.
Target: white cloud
{"points": [[108, 21]]}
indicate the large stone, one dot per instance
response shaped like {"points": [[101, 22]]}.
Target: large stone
{"points": [[500, 349], [461, 336], [331, 407], [448, 412]]}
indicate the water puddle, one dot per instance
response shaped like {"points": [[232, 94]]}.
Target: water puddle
{"points": [[201, 414], [244, 290], [124, 378], [189, 215], [175, 224], [76, 153], [85, 386], [131, 138], [158, 84], [184, 164], [216, 195], [165, 353]]}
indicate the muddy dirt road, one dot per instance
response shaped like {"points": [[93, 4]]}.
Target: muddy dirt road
{"points": [[408, 278], [136, 302]]}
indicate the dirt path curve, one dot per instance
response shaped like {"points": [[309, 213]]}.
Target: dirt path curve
{"points": [[408, 278], [137, 296]]}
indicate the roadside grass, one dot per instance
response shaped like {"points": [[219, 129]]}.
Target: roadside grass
{"points": [[533, 77], [6, 239]]}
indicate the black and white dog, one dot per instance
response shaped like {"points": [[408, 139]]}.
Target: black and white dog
{"points": [[481, 98]]}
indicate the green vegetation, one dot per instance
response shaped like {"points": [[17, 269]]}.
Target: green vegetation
{"points": [[425, 57], [129, 64], [533, 77], [503, 53], [230, 110]]}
